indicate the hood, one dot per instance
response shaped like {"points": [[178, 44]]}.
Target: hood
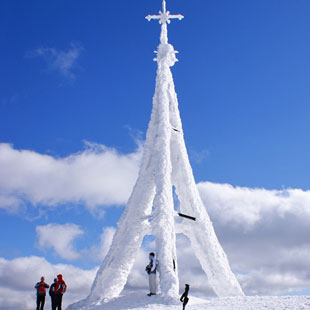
{"points": [[59, 277]]}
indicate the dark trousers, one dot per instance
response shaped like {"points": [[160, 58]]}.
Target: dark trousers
{"points": [[185, 301], [53, 301], [40, 301], [58, 301]]}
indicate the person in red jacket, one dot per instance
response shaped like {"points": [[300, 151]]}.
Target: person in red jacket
{"points": [[60, 289], [41, 292]]}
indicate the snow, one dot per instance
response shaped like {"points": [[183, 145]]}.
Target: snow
{"points": [[138, 300]]}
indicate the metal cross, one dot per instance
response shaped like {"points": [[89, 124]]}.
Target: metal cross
{"points": [[164, 15]]}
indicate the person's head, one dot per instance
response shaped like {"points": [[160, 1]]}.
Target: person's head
{"points": [[42, 279], [59, 277], [55, 280], [186, 285], [152, 254]]}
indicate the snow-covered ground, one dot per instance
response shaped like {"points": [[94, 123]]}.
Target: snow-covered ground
{"points": [[138, 300]]}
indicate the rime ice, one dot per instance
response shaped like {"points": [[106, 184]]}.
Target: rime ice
{"points": [[150, 209]]}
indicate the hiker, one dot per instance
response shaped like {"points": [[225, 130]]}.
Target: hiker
{"points": [[60, 289], [184, 297], [52, 294], [41, 292], [151, 270]]}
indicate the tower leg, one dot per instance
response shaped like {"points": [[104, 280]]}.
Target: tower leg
{"points": [[201, 233], [113, 273], [164, 231], [163, 216]]}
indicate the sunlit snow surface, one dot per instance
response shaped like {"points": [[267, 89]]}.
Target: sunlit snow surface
{"points": [[139, 301]]}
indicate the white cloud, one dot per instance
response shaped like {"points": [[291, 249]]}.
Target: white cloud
{"points": [[10, 203], [62, 61], [60, 238], [98, 176], [265, 233], [138, 278], [98, 252], [247, 207], [18, 277]]}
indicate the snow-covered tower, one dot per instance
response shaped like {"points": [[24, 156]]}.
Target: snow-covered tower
{"points": [[150, 209]]}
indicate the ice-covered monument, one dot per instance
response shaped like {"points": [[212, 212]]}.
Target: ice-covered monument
{"points": [[150, 209]]}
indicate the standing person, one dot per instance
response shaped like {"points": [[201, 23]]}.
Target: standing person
{"points": [[52, 294], [184, 297], [151, 270], [60, 289], [41, 292]]}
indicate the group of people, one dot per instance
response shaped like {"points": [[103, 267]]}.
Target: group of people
{"points": [[151, 270], [57, 289]]}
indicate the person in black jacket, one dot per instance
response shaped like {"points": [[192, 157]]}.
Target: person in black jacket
{"points": [[151, 270], [52, 294], [184, 297], [41, 292]]}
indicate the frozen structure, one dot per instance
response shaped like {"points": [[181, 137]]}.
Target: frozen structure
{"points": [[150, 209]]}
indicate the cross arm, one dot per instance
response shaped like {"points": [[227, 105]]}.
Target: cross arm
{"points": [[149, 17], [179, 16]]}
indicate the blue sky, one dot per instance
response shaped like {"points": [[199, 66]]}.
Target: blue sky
{"points": [[78, 79], [242, 81]]}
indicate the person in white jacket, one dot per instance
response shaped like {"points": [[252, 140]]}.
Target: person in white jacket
{"points": [[151, 270]]}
